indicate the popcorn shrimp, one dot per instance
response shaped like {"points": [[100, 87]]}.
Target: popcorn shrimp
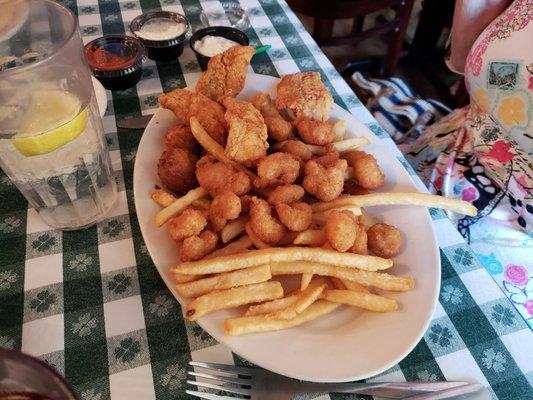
{"points": [[277, 127], [226, 206], [324, 182], [286, 194], [198, 246], [189, 223], [264, 224], [366, 172], [181, 136], [217, 177], [340, 230], [296, 217], [280, 167], [315, 132]]}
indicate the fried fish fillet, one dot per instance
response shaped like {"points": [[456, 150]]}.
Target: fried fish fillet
{"points": [[247, 138], [226, 73], [304, 95], [186, 104]]}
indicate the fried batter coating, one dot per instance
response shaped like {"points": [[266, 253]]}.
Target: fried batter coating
{"points": [[296, 217], [198, 246], [352, 188], [340, 230], [179, 102], [189, 223], [366, 172], [278, 128], [264, 224], [182, 137], [286, 194], [279, 167], [361, 241], [226, 73], [384, 240], [186, 104], [176, 170], [247, 138], [315, 132], [226, 206], [304, 95], [210, 114], [324, 182], [217, 177]]}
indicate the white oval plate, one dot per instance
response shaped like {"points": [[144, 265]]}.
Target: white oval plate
{"points": [[347, 344]]}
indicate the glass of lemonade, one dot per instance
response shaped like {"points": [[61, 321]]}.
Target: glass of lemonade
{"points": [[52, 144]]}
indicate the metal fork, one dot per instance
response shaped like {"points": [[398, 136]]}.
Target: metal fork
{"points": [[259, 384]]}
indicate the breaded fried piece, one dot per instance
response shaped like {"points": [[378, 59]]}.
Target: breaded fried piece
{"points": [[186, 104], [180, 136], [304, 96], [226, 73], [210, 114], [278, 129], [178, 101], [217, 177], [315, 132], [176, 169], [247, 138]]}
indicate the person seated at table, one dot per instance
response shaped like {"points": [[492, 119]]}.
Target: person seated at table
{"points": [[482, 152]]}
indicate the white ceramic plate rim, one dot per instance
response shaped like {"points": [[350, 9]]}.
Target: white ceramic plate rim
{"points": [[271, 362]]}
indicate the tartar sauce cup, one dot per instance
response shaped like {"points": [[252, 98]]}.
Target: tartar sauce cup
{"points": [[116, 60], [161, 45], [221, 31]]}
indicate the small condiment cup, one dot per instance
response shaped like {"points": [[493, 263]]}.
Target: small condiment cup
{"points": [[116, 60], [222, 31], [161, 50]]}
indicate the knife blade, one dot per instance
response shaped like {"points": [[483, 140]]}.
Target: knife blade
{"points": [[135, 122]]}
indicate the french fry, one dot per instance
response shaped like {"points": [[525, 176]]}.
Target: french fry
{"points": [[272, 305], [179, 205], [278, 254], [233, 229], [215, 149], [305, 281], [339, 128], [240, 245], [234, 297], [320, 217], [368, 278], [260, 323], [253, 237], [162, 197], [305, 299], [397, 198], [225, 280], [354, 286], [367, 301], [341, 146], [182, 278], [310, 237]]}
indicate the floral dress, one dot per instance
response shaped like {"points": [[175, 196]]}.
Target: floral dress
{"points": [[482, 153]]}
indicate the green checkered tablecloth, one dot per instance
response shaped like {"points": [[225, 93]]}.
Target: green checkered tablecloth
{"points": [[92, 304]]}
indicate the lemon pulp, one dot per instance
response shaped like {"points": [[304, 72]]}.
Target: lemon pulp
{"points": [[52, 120]]}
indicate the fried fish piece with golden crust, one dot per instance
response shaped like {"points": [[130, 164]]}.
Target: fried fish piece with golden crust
{"points": [[304, 96], [217, 177], [278, 128], [178, 101], [247, 137], [210, 114], [186, 104], [226, 73]]}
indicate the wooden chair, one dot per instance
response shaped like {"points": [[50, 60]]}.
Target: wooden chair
{"points": [[326, 12]]}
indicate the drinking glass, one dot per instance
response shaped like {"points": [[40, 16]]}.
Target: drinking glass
{"points": [[52, 144]]}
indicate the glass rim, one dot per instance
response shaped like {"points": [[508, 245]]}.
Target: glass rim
{"points": [[71, 34]]}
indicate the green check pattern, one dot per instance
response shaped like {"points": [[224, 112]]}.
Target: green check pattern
{"points": [[92, 304]]}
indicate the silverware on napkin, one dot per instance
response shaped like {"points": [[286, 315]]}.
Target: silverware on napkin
{"points": [[135, 122], [261, 384]]}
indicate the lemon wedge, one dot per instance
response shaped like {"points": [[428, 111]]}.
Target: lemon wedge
{"points": [[52, 120]]}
